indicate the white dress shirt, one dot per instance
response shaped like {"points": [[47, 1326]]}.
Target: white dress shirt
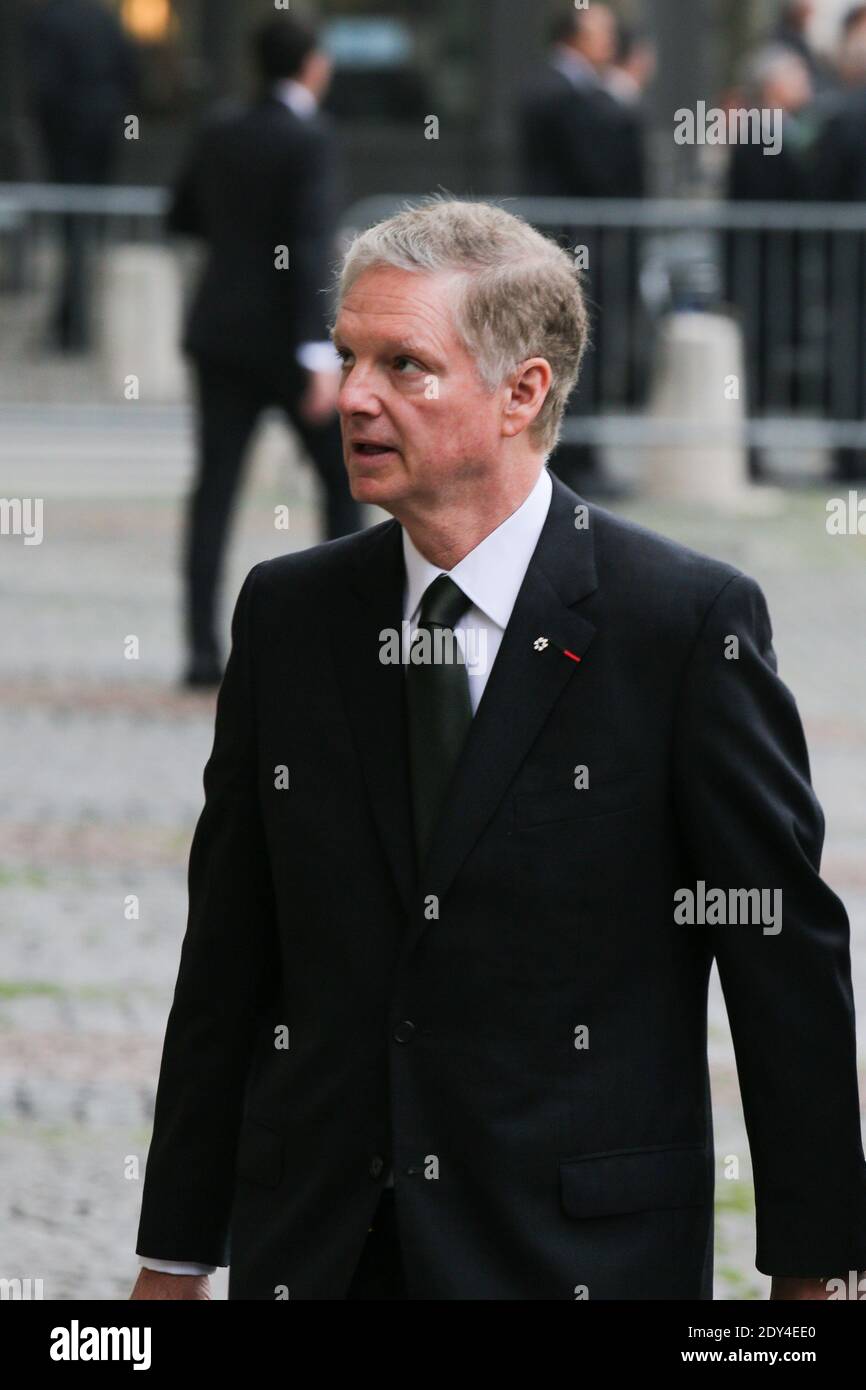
{"points": [[491, 576], [316, 357]]}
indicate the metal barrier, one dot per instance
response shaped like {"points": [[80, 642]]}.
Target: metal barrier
{"points": [[33, 212], [57, 272], [793, 275]]}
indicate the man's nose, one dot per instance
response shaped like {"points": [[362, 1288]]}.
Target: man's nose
{"points": [[358, 394]]}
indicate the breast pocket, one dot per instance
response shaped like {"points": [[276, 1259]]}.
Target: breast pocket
{"points": [[633, 1180], [608, 793]]}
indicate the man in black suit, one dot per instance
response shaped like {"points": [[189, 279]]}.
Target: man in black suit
{"points": [[260, 188], [84, 78], [579, 139], [763, 271], [840, 176], [439, 1029]]}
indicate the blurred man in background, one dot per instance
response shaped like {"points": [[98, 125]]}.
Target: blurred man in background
{"points": [[853, 23], [792, 32], [84, 79], [840, 176], [634, 65], [579, 138], [776, 79], [840, 162], [764, 269], [260, 189], [850, 58]]}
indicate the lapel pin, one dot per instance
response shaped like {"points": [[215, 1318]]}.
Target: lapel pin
{"points": [[541, 643]]}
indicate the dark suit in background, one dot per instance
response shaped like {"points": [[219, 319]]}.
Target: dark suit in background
{"points": [[260, 177], [578, 141], [84, 76], [840, 176], [764, 279]]}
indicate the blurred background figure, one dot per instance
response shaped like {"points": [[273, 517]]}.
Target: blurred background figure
{"points": [[853, 28], [578, 140], [776, 78], [840, 164], [260, 188], [634, 65], [840, 176], [795, 30], [581, 136], [84, 78], [767, 287], [792, 32]]}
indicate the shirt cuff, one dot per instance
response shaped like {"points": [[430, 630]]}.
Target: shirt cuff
{"points": [[176, 1266], [319, 357]]}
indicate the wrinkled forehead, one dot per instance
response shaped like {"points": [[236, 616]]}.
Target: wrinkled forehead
{"points": [[401, 308]]}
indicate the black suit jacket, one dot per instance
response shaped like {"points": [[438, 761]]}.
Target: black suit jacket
{"points": [[579, 141], [259, 177], [432, 1019], [84, 77], [840, 155]]}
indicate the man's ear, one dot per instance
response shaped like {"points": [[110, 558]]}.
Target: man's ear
{"points": [[527, 391]]}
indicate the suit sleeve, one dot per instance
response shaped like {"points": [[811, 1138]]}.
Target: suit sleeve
{"points": [[751, 820], [229, 961], [308, 219], [184, 216]]}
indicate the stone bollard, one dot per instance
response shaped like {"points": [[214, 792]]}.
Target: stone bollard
{"points": [[138, 316], [698, 386]]}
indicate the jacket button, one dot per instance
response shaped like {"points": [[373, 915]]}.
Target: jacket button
{"points": [[404, 1031], [377, 1166]]}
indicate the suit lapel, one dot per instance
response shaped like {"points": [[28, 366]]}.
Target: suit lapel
{"points": [[520, 692], [374, 694], [522, 687]]}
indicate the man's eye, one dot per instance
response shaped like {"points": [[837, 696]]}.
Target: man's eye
{"points": [[414, 366]]}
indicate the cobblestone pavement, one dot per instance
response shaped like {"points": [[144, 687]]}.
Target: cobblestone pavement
{"points": [[103, 760]]}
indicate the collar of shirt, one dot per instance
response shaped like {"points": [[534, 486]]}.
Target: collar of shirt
{"points": [[295, 95], [576, 68], [492, 573]]}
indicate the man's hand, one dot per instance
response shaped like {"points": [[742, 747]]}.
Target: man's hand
{"points": [[319, 400], [154, 1285]]}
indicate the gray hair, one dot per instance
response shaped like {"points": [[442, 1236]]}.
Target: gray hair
{"points": [[766, 64], [517, 294]]}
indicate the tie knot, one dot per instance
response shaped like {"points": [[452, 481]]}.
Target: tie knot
{"points": [[443, 604]]}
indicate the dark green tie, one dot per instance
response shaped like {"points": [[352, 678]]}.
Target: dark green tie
{"points": [[439, 709]]}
